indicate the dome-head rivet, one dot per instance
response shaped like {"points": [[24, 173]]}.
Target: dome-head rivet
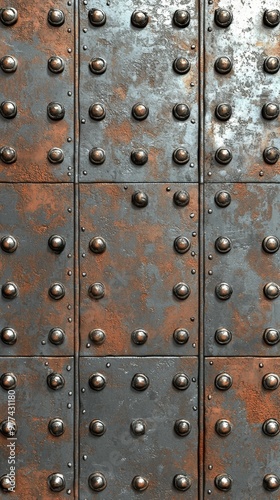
{"points": [[223, 482], [55, 111], [57, 291], [182, 427], [139, 156], [56, 427], [56, 336], [223, 156], [140, 199], [181, 336], [56, 64], [55, 155], [270, 381], [97, 111], [271, 427], [181, 65], [271, 336], [140, 111], [223, 18], [223, 111], [223, 65], [55, 381], [6, 483], [181, 381], [140, 483], [139, 19], [223, 427], [8, 64], [270, 111], [223, 244], [56, 17], [97, 381], [181, 156], [97, 245], [97, 17], [8, 154], [8, 16], [182, 482], [271, 291], [97, 427], [97, 336], [56, 243], [271, 64], [8, 336], [223, 381], [97, 481], [181, 18], [138, 427], [9, 290], [223, 336], [8, 428], [139, 336], [140, 382], [97, 156], [181, 291], [8, 381], [271, 155], [56, 482], [9, 244], [271, 18], [271, 244], [8, 109], [271, 482], [96, 291], [181, 111], [182, 244], [222, 199], [181, 198], [223, 291], [98, 66]]}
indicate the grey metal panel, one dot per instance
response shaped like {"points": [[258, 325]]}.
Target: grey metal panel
{"points": [[160, 453]]}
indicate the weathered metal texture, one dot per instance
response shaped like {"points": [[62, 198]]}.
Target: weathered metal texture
{"points": [[247, 267], [32, 40], [31, 214], [247, 42], [138, 269], [246, 453], [160, 453], [139, 70], [38, 453]]}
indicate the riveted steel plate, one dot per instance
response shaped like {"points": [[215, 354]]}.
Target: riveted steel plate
{"points": [[159, 454], [33, 41], [252, 215], [37, 453], [247, 454], [139, 69], [247, 87], [31, 214], [138, 269]]}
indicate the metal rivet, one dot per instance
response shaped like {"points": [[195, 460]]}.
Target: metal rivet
{"points": [[97, 481], [57, 291], [223, 111], [97, 427], [56, 17], [223, 156], [271, 291], [223, 18], [271, 244], [8, 381], [140, 199], [98, 66], [140, 111], [270, 381], [8, 428], [97, 156], [222, 199], [97, 381], [223, 65], [8, 109], [181, 111], [8, 336], [271, 64], [96, 291], [181, 336], [97, 245], [182, 482], [139, 156], [97, 111], [55, 111], [9, 290], [138, 427], [8, 64], [223, 336], [271, 427], [55, 155], [140, 382], [181, 381], [181, 290], [8, 16], [56, 64], [223, 381], [181, 65], [271, 18], [271, 155], [56, 482], [271, 336], [223, 482], [181, 156], [56, 243], [139, 336], [271, 482], [55, 381], [8, 154], [223, 291], [223, 427], [270, 111], [56, 336], [223, 244], [56, 427], [181, 198], [9, 244], [6, 483], [181, 18], [139, 19], [182, 244], [97, 336], [97, 17], [182, 427]]}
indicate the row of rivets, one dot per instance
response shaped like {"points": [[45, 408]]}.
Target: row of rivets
{"points": [[97, 291], [9, 64], [224, 291], [140, 199], [138, 427], [98, 65], [9, 381], [139, 157], [223, 482], [56, 243], [97, 482], [140, 381], [55, 426], [270, 381], [10, 291], [270, 244], [271, 155], [9, 16], [56, 482], [270, 427], [223, 336], [139, 336], [223, 18], [139, 19], [223, 65], [139, 111]]}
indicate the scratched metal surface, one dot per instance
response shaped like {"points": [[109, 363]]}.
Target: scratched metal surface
{"points": [[246, 453], [32, 41], [139, 69], [247, 42]]}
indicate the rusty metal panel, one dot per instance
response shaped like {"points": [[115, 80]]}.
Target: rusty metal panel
{"points": [[33, 41], [244, 447], [247, 262], [138, 267], [133, 65], [32, 262], [247, 87], [157, 453], [29, 446]]}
